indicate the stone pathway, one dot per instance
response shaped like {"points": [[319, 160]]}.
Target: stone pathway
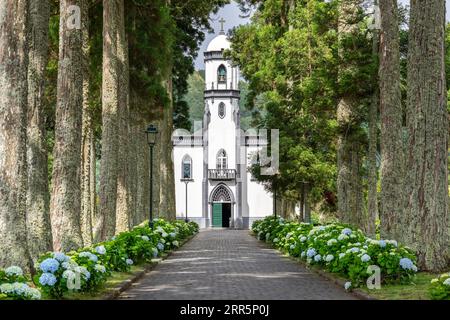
{"points": [[231, 264]]}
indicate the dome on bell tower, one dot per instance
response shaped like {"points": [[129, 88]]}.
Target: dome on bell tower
{"points": [[219, 43]]}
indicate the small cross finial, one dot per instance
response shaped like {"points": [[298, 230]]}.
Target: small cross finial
{"points": [[221, 21]]}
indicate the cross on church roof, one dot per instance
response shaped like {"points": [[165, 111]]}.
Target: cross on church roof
{"points": [[221, 21]]}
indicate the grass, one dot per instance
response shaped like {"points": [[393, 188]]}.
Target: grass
{"points": [[417, 290]]}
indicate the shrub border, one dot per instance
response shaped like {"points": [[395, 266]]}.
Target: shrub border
{"points": [[337, 281]]}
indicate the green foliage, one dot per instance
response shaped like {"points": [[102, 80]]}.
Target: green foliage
{"points": [[14, 285], [440, 287], [289, 57], [86, 269], [338, 248]]}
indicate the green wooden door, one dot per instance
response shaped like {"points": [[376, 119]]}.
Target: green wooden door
{"points": [[217, 215]]}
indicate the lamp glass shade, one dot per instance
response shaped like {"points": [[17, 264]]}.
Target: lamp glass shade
{"points": [[151, 134]]}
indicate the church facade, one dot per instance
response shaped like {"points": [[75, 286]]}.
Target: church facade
{"points": [[212, 182]]}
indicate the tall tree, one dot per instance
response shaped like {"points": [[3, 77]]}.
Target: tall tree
{"points": [[13, 117], [372, 179], [391, 122], [38, 215], [426, 186], [349, 184], [106, 223], [87, 142], [65, 204], [123, 208]]}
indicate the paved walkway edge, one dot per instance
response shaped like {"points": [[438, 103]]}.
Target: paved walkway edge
{"points": [[356, 292], [126, 284]]}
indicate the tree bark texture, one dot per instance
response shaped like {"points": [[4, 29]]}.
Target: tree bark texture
{"points": [[65, 205], [88, 143], [123, 209], [38, 197], [110, 103], [372, 181], [13, 117], [349, 186], [427, 197], [392, 158]]}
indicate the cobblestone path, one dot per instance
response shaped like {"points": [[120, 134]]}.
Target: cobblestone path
{"points": [[231, 264]]}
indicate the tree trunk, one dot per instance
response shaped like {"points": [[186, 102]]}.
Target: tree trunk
{"points": [[123, 209], [391, 122], [38, 202], [65, 205], [372, 181], [13, 149], [427, 119], [167, 182], [106, 223], [349, 191], [87, 144]]}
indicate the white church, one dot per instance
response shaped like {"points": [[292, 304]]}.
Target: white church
{"points": [[213, 185]]}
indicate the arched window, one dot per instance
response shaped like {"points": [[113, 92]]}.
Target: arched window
{"points": [[221, 160], [222, 74], [221, 110], [186, 167]]}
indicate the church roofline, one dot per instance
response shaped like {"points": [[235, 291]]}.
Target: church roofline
{"points": [[222, 93]]}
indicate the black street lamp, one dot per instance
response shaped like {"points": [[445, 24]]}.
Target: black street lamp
{"points": [[186, 181], [151, 140]]}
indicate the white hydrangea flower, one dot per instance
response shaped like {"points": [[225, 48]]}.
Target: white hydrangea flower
{"points": [[14, 271], [347, 285]]}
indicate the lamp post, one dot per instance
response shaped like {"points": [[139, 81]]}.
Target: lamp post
{"points": [[186, 181], [151, 140]]}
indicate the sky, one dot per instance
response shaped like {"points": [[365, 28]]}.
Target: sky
{"points": [[231, 14]]}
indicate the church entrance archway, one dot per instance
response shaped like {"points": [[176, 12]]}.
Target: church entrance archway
{"points": [[221, 201]]}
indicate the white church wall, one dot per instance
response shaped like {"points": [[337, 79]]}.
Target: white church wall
{"points": [[194, 188], [221, 134], [260, 201]]}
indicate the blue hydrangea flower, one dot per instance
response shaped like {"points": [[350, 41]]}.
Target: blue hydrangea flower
{"points": [[347, 231], [129, 262], [303, 239], [292, 247], [154, 252], [49, 265], [406, 264], [365, 258], [100, 249], [61, 257], [160, 246], [311, 253], [47, 279], [382, 243], [317, 258], [145, 238], [172, 234]]}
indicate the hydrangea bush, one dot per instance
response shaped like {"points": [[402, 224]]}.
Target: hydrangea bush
{"points": [[13, 285], [338, 248], [88, 268], [440, 287]]}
